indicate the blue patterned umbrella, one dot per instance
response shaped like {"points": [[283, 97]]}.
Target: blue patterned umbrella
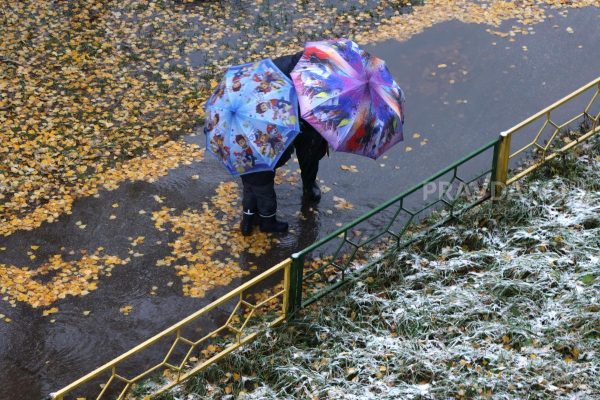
{"points": [[251, 118]]}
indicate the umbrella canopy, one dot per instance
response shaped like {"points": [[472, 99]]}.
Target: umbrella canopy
{"points": [[251, 118], [350, 97]]}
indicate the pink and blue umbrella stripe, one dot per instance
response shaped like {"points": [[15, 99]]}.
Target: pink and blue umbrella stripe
{"points": [[350, 97], [252, 117]]}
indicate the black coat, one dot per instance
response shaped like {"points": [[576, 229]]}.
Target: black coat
{"points": [[287, 63]]}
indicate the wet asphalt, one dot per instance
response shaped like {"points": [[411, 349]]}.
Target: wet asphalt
{"points": [[495, 84]]}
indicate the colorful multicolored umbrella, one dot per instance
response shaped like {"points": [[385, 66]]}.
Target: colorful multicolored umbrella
{"points": [[350, 97], [252, 117]]}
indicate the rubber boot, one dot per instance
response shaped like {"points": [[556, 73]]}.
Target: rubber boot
{"points": [[312, 192], [270, 224], [247, 223]]}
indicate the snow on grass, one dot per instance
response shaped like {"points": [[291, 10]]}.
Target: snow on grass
{"points": [[502, 304]]}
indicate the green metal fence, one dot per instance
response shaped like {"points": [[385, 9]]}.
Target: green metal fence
{"points": [[454, 192]]}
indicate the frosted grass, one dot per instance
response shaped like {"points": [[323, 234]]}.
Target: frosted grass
{"points": [[503, 304]]}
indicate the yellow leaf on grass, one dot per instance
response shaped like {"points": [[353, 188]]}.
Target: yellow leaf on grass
{"points": [[575, 352], [211, 348]]}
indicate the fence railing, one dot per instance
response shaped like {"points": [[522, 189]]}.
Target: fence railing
{"points": [[391, 226], [547, 141], [249, 313], [351, 250]]}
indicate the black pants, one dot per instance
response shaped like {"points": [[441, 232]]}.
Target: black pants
{"points": [[259, 193], [259, 187], [310, 148]]}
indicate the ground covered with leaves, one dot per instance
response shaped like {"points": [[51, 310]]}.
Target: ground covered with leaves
{"points": [[95, 94], [87, 86], [502, 304]]}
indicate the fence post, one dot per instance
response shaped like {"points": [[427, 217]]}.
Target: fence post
{"points": [[500, 165], [287, 273], [296, 275]]}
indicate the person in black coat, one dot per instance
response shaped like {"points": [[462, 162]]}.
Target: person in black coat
{"points": [[259, 187], [310, 146]]}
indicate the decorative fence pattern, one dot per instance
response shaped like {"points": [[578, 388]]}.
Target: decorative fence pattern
{"points": [[389, 227], [248, 316], [548, 143], [353, 249]]}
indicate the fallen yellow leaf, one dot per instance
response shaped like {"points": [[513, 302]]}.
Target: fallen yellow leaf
{"points": [[49, 311], [126, 309]]}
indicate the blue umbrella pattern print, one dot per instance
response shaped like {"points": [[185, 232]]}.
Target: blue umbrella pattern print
{"points": [[251, 117]]}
